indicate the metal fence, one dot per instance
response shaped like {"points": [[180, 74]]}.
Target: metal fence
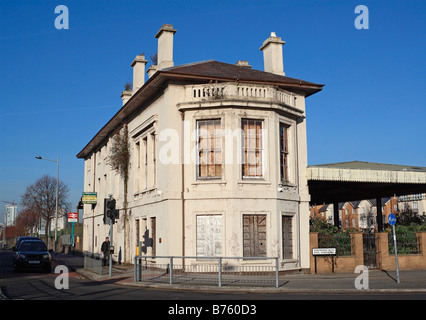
{"points": [[341, 241], [407, 243], [220, 271], [93, 262]]}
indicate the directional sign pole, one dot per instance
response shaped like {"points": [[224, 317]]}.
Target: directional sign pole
{"points": [[392, 220], [72, 234]]}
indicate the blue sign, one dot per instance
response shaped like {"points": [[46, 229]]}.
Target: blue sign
{"points": [[391, 219]]}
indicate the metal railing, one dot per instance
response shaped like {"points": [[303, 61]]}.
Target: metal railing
{"points": [[220, 271], [93, 262]]}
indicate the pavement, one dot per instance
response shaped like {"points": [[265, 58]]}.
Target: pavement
{"points": [[380, 281]]}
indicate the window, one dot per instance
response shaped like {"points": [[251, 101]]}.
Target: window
{"points": [[283, 153], [415, 207], [154, 159], [252, 146], [209, 235], [153, 236], [287, 230], [254, 235], [145, 162], [209, 149]]}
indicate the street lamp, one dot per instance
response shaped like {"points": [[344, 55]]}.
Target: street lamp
{"points": [[57, 191]]}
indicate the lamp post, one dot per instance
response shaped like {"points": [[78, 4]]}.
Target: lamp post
{"points": [[57, 191]]}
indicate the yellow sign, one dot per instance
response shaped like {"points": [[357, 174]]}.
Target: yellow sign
{"points": [[89, 197]]}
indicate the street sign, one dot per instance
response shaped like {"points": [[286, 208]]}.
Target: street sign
{"points": [[323, 251], [72, 216], [391, 219], [89, 197]]}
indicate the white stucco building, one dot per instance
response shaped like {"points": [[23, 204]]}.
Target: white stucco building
{"points": [[218, 159], [11, 214]]}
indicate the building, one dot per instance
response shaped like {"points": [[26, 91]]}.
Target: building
{"points": [[414, 202], [11, 214], [361, 215], [218, 159]]}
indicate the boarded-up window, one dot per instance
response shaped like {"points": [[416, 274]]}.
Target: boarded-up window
{"points": [[153, 235], [252, 144], [287, 229], [209, 149], [137, 232], [254, 235], [209, 235]]}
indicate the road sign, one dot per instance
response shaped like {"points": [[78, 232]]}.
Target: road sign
{"points": [[391, 219], [72, 216], [323, 251], [89, 197]]}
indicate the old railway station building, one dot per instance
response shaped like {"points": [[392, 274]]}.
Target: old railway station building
{"points": [[218, 162]]}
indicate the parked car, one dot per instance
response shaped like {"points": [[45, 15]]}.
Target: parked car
{"points": [[32, 254], [20, 239]]}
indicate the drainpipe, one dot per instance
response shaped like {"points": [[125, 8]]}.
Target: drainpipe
{"points": [[93, 212], [183, 184], [298, 190]]}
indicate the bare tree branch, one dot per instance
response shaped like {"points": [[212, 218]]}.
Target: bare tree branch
{"points": [[40, 197]]}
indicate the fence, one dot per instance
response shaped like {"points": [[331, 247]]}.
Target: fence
{"points": [[221, 271], [93, 262], [374, 251], [341, 241], [407, 243]]}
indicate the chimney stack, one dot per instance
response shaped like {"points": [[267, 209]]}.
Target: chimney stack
{"points": [[126, 95], [273, 54], [138, 65], [243, 63], [165, 46]]}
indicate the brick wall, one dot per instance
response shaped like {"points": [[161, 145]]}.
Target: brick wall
{"points": [[385, 261]]}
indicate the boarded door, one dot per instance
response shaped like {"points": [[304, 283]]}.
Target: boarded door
{"points": [[287, 229], [209, 235], [254, 235]]}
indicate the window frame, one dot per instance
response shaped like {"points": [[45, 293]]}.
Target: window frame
{"points": [[257, 150], [217, 148], [283, 152]]}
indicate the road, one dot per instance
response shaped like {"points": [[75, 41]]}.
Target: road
{"points": [[36, 285]]}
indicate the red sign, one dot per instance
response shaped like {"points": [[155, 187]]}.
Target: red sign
{"points": [[72, 216]]}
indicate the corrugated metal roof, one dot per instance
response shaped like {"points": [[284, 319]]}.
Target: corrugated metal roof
{"points": [[361, 165]]}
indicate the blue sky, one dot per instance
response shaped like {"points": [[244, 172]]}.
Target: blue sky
{"points": [[59, 87]]}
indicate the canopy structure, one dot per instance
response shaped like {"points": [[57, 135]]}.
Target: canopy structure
{"points": [[357, 180]]}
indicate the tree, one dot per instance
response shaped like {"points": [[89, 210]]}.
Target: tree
{"points": [[27, 221], [408, 217], [119, 160], [40, 197]]}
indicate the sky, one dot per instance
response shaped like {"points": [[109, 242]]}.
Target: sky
{"points": [[58, 87]]}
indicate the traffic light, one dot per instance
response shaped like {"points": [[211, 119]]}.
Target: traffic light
{"points": [[110, 213]]}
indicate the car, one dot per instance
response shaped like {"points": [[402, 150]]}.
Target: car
{"points": [[20, 239], [32, 254]]}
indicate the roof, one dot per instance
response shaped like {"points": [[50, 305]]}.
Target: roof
{"points": [[356, 180], [216, 70], [362, 165], [197, 72]]}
